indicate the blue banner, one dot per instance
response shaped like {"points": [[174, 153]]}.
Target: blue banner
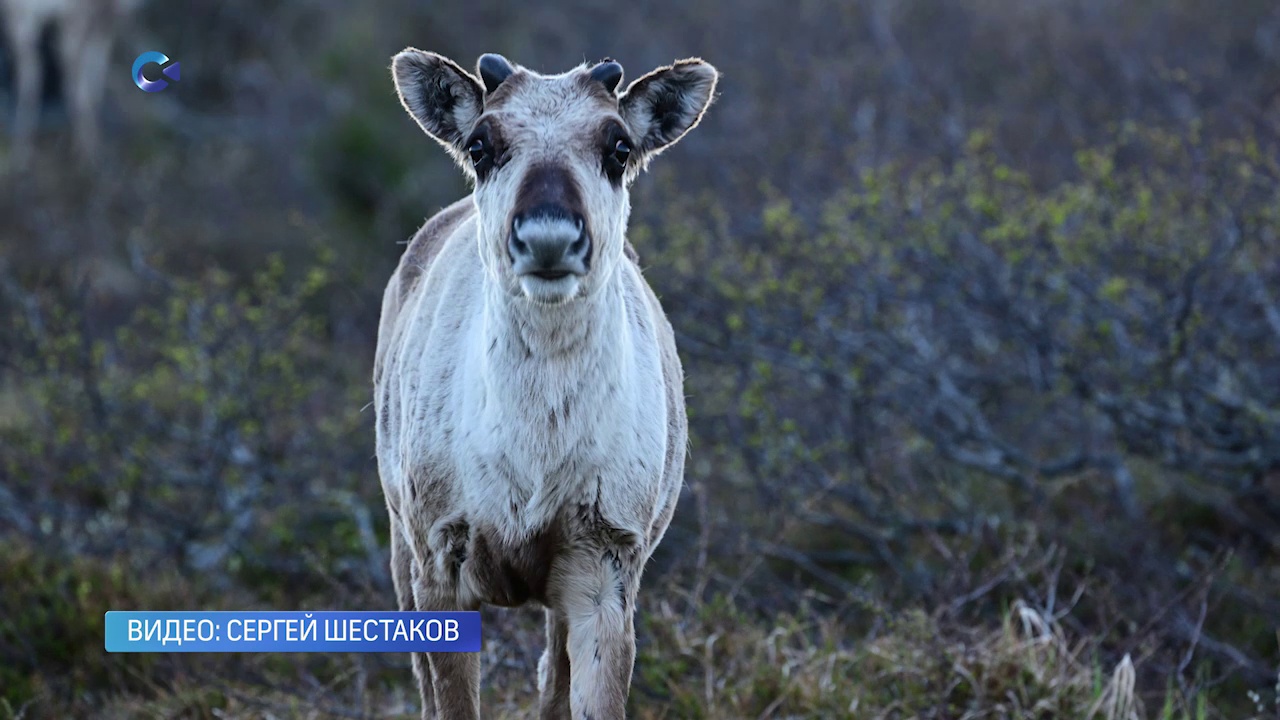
{"points": [[288, 631]]}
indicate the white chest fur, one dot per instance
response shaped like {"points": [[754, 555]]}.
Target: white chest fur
{"points": [[537, 410]]}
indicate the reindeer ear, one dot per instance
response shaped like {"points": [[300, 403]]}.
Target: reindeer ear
{"points": [[662, 106], [440, 95]]}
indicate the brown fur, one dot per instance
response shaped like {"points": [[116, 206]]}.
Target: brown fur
{"points": [[414, 263]]}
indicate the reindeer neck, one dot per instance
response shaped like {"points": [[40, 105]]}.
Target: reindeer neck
{"points": [[584, 329]]}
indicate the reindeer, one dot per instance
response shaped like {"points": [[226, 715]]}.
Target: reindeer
{"points": [[531, 429], [86, 32]]}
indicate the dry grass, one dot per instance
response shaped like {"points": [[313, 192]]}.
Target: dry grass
{"points": [[709, 661]]}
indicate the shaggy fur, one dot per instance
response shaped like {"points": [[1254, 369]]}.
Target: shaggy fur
{"points": [[531, 433]]}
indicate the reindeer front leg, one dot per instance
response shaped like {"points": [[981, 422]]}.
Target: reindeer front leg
{"points": [[596, 594], [404, 575], [85, 51], [24, 44], [553, 669], [454, 677]]}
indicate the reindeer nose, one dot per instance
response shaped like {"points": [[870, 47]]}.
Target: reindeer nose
{"points": [[549, 243]]}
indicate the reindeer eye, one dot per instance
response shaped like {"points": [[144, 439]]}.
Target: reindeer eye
{"points": [[478, 151], [621, 152], [615, 152]]}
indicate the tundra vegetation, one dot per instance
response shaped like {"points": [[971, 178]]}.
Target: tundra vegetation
{"points": [[978, 304]]}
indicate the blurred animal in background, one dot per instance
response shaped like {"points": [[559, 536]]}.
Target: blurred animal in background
{"points": [[84, 32], [531, 423]]}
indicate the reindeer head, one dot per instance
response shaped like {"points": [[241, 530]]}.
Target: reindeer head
{"points": [[551, 157]]}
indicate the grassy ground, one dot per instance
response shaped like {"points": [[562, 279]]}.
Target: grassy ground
{"points": [[701, 654]]}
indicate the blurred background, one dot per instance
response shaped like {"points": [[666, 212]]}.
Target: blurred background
{"points": [[979, 306]]}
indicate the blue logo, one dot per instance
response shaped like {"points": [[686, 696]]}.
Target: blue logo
{"points": [[292, 631], [167, 69]]}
